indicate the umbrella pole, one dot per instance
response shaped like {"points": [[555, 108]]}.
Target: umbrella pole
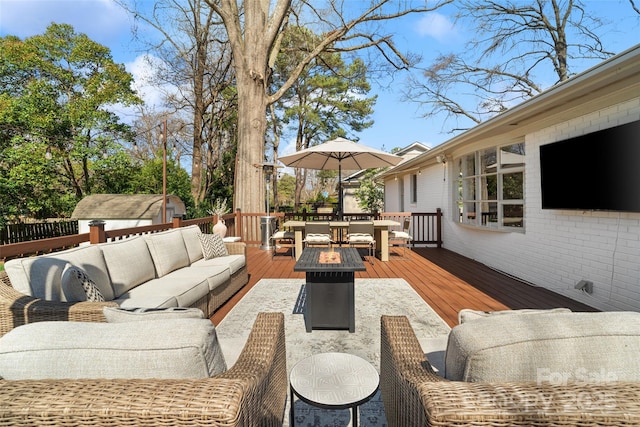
{"points": [[340, 201]]}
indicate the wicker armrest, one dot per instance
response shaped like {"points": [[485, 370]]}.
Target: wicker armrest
{"points": [[236, 248], [531, 404], [251, 393], [414, 395], [18, 309], [403, 367]]}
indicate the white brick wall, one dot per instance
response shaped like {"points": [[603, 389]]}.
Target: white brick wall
{"points": [[558, 248]]}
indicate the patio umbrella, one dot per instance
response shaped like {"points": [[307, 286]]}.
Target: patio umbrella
{"points": [[337, 154]]}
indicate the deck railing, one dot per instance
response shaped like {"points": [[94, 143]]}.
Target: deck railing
{"points": [[24, 232], [425, 229]]}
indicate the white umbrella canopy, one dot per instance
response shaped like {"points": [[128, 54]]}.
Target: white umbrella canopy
{"points": [[337, 154]]}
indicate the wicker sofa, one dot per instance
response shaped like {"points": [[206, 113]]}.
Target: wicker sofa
{"points": [[414, 394], [251, 393], [159, 270]]}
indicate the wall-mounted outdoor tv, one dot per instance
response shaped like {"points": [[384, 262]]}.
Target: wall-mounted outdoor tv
{"points": [[596, 171]]}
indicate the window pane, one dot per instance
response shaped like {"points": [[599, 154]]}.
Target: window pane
{"points": [[512, 156], [488, 161], [469, 214], [489, 187], [469, 189], [489, 214], [512, 215], [468, 165], [513, 186], [414, 188]]}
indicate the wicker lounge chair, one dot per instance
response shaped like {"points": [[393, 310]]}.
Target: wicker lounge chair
{"points": [[414, 395], [251, 393]]}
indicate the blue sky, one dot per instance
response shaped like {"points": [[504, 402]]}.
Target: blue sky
{"points": [[397, 122]]}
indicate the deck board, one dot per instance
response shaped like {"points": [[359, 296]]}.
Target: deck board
{"points": [[447, 281]]}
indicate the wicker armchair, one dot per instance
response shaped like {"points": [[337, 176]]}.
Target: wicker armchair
{"points": [[251, 393], [414, 395]]}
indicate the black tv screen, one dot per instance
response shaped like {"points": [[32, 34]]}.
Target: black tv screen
{"points": [[596, 171]]}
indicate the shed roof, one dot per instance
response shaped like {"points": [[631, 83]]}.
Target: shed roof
{"points": [[121, 206]]}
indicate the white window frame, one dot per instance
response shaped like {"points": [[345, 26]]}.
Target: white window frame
{"points": [[472, 194]]}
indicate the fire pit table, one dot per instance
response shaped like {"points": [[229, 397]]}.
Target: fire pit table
{"points": [[329, 289]]}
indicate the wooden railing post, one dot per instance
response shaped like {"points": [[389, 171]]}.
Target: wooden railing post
{"points": [[238, 225], [177, 221], [439, 226], [96, 232]]}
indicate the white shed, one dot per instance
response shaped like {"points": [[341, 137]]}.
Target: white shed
{"points": [[125, 210]]}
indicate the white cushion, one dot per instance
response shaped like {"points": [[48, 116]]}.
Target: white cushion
{"points": [[175, 348], [317, 238], [232, 262], [213, 246], [120, 314], [129, 263], [360, 238], [216, 272], [180, 286], [78, 286], [401, 235], [466, 314], [553, 347], [191, 238], [143, 296], [168, 251], [41, 276], [281, 235]]}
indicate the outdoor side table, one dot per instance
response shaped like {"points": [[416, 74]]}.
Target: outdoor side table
{"points": [[333, 381], [330, 296]]}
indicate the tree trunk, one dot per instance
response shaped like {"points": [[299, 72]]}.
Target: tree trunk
{"points": [[251, 43], [252, 121], [198, 114]]}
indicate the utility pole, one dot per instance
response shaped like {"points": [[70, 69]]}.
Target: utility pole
{"points": [[164, 171]]}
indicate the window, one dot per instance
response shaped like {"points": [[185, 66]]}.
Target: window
{"points": [[491, 187], [414, 188]]}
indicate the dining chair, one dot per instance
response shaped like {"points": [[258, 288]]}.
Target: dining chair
{"points": [[283, 239], [360, 233], [317, 233], [402, 238]]}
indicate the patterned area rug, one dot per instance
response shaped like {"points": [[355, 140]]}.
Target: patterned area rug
{"points": [[373, 297]]}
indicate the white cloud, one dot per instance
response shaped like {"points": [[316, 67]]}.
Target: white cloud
{"points": [[437, 26], [142, 71], [141, 68]]}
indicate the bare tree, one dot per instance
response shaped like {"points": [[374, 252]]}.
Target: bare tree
{"points": [[515, 43], [196, 67], [254, 29]]}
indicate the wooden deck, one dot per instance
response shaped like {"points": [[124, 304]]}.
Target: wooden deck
{"points": [[448, 282]]}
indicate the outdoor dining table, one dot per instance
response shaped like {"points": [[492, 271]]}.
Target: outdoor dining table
{"points": [[380, 226]]}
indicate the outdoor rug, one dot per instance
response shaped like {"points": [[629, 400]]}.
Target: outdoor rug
{"points": [[373, 297]]}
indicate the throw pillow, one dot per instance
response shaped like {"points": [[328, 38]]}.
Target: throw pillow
{"points": [[120, 314], [77, 286], [212, 246]]}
